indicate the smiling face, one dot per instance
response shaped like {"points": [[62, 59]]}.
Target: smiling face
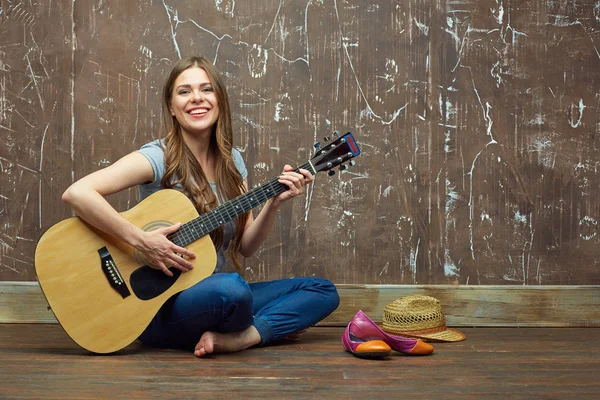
{"points": [[194, 102]]}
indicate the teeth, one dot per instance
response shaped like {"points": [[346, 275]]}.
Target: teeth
{"points": [[199, 111]]}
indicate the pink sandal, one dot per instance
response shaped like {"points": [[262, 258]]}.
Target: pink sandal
{"points": [[364, 348], [364, 328]]}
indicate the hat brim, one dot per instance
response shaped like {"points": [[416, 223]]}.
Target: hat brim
{"points": [[447, 335]]}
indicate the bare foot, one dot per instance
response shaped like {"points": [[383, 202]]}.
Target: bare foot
{"points": [[214, 342]]}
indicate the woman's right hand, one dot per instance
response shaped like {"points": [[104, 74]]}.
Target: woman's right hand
{"points": [[161, 253]]}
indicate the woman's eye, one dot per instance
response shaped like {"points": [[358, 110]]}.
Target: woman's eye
{"points": [[208, 89]]}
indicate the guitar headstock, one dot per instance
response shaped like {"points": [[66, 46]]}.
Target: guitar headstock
{"points": [[334, 153]]}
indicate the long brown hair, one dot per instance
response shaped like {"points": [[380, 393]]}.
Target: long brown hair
{"points": [[183, 168]]}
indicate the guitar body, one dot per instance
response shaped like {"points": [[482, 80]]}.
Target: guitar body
{"points": [[79, 266]]}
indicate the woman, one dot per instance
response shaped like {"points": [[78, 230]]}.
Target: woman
{"points": [[222, 313]]}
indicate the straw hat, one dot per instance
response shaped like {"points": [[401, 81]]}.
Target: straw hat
{"points": [[419, 316]]}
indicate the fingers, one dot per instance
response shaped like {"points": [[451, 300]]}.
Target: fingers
{"points": [[164, 268], [182, 251], [174, 260], [179, 262], [170, 229], [163, 253], [296, 180], [302, 173], [308, 177]]}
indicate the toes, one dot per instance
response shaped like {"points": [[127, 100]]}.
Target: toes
{"points": [[200, 350]]}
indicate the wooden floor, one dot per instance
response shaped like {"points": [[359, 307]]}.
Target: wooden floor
{"points": [[41, 362]]}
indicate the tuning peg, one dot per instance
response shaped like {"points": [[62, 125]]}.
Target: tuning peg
{"points": [[336, 133], [317, 145], [343, 167], [326, 138], [331, 172], [352, 163]]}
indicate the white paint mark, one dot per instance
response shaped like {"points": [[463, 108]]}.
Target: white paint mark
{"points": [[277, 116], [144, 59], [226, 7], [537, 120], [257, 61], [261, 166], [591, 224], [544, 147], [486, 217], [500, 15], [450, 269], [41, 176], [274, 20], [385, 268], [281, 107], [469, 29], [581, 108], [105, 162], [414, 255], [496, 72], [35, 82], [520, 218], [422, 27], [173, 18]]}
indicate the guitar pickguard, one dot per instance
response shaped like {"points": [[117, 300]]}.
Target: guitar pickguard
{"points": [[148, 283]]}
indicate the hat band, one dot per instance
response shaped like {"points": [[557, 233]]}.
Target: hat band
{"points": [[425, 331]]}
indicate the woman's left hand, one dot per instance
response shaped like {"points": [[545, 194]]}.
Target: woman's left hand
{"points": [[295, 181]]}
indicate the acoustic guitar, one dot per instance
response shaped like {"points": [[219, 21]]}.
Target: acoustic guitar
{"points": [[101, 290]]}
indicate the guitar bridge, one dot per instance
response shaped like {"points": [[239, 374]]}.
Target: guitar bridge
{"points": [[112, 273]]}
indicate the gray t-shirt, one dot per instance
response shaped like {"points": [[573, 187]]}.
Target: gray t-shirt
{"points": [[155, 154]]}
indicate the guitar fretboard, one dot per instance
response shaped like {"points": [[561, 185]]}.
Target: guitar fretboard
{"points": [[226, 212]]}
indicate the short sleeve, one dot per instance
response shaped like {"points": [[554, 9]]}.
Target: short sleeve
{"points": [[239, 163], [155, 154]]}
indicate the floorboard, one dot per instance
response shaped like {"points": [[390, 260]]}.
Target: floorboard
{"points": [[39, 361]]}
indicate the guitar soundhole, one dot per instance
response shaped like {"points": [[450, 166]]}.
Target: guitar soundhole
{"points": [[148, 283]]}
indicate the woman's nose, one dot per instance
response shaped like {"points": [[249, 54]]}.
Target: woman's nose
{"points": [[197, 96]]}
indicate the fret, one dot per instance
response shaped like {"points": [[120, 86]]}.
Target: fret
{"points": [[191, 233], [225, 209], [211, 220], [261, 195], [202, 224], [232, 211], [237, 207], [208, 221]]}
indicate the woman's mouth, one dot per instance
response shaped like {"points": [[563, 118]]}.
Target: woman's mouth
{"points": [[198, 112]]}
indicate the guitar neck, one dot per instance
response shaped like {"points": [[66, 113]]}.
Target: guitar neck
{"points": [[226, 212]]}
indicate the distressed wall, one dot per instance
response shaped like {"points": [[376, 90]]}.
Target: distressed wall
{"points": [[478, 122]]}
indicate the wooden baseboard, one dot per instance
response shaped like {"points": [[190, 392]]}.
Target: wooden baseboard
{"points": [[484, 306]]}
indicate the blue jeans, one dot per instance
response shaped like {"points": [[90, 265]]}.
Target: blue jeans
{"points": [[225, 302]]}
